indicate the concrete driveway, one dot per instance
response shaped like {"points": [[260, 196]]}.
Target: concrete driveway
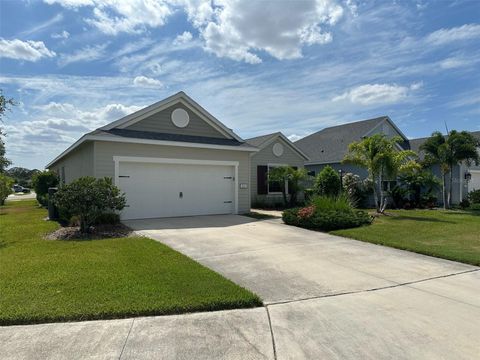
{"points": [[331, 297], [326, 297]]}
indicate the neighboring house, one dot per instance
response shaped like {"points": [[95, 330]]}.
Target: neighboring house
{"points": [[274, 150], [465, 178], [172, 158], [330, 145]]}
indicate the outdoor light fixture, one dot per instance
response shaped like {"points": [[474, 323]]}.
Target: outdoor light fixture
{"points": [[468, 176]]}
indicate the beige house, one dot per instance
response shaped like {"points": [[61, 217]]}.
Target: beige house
{"points": [[172, 158], [274, 150]]}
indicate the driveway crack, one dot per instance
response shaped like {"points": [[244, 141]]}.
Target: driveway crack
{"points": [[126, 339], [377, 289], [271, 333]]}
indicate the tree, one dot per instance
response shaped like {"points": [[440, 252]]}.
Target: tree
{"points": [[89, 198], [416, 178], [328, 182], [448, 151], [382, 159], [22, 175], [41, 182], [5, 104], [294, 178], [6, 184]]}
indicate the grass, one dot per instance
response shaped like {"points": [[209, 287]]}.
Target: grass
{"points": [[453, 235], [48, 281]]}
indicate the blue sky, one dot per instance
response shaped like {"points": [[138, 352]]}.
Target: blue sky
{"points": [[258, 66]]}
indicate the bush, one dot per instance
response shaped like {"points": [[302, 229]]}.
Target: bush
{"points": [[42, 200], [464, 204], [41, 182], [328, 182], [474, 196], [6, 184], [474, 207], [102, 219], [327, 214], [89, 199]]}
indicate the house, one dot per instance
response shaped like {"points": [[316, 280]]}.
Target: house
{"points": [[172, 158], [274, 150], [330, 145]]}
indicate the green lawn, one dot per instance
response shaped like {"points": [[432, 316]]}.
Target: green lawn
{"points": [[453, 235], [50, 280]]}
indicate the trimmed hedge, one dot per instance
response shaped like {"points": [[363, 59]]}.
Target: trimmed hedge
{"points": [[327, 220]]}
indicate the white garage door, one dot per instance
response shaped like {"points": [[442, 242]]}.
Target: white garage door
{"points": [[166, 190], [474, 183]]}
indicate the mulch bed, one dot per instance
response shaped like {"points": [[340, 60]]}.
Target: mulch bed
{"points": [[96, 232]]}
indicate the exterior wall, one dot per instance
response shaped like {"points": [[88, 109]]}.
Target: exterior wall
{"points": [[105, 151], [161, 122], [384, 128], [78, 163], [265, 157], [363, 173]]}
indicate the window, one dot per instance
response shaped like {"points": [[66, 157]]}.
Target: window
{"points": [[276, 187], [388, 185]]}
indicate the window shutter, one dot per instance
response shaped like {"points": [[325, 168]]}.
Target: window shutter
{"points": [[262, 179]]}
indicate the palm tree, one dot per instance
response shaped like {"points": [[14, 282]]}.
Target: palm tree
{"points": [[382, 158], [448, 151]]}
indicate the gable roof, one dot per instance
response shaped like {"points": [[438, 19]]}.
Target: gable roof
{"points": [[165, 103], [265, 140], [330, 145], [115, 131]]}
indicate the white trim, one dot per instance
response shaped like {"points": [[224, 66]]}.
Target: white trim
{"points": [[179, 97], [149, 142], [141, 159]]}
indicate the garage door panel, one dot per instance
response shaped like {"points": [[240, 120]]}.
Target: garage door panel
{"points": [[167, 190]]}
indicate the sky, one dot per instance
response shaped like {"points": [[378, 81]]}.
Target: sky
{"points": [[258, 66]]}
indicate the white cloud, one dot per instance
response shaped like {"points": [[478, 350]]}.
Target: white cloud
{"points": [[88, 53], [229, 28], [42, 26], [183, 38], [374, 94], [62, 35], [238, 30], [144, 81], [444, 36], [114, 16], [57, 125], [24, 50], [456, 62]]}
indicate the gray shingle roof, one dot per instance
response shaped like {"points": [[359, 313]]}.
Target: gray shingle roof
{"points": [[331, 144], [172, 137], [416, 143], [259, 140]]}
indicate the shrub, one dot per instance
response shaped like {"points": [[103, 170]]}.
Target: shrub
{"points": [[399, 196], [474, 207], [89, 199], [474, 196], [327, 213], [464, 204], [328, 182], [327, 220], [341, 202], [41, 181], [6, 184]]}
